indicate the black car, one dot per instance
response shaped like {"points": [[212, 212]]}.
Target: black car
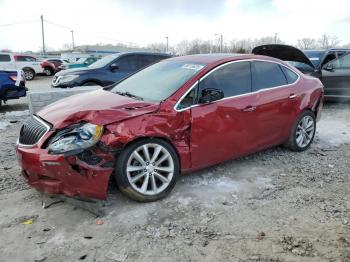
{"points": [[331, 66], [106, 71]]}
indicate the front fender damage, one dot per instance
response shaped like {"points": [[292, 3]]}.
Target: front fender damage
{"points": [[175, 128], [96, 165]]}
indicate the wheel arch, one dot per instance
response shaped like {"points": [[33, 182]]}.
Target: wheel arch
{"points": [[96, 81], [28, 68]]}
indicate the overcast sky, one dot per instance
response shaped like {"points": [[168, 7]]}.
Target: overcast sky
{"points": [[146, 21]]}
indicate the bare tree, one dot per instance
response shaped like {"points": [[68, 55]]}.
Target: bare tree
{"points": [[327, 41], [307, 43], [157, 46]]}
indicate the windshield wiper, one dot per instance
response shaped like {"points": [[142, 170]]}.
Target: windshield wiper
{"points": [[129, 95]]}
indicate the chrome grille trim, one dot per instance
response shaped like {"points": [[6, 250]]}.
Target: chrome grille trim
{"points": [[37, 131]]}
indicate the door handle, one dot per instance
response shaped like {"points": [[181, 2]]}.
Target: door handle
{"points": [[291, 96], [249, 109]]}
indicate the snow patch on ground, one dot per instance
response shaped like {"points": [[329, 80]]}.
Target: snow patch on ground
{"points": [[334, 131], [4, 125], [6, 118], [17, 113]]}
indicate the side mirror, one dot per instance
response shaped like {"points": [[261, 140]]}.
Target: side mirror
{"points": [[329, 67], [114, 67], [210, 94]]}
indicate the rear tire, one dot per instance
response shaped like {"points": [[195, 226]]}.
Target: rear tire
{"points": [[48, 71], [147, 170], [29, 74], [303, 132]]}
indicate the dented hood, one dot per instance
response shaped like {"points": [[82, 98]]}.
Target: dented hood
{"points": [[99, 107], [283, 52]]}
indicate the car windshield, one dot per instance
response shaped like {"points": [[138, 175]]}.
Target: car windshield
{"points": [[103, 62], [159, 81], [315, 56]]}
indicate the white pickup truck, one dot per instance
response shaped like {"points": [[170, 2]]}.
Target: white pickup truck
{"points": [[30, 65]]}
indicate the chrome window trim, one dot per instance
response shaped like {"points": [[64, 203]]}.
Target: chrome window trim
{"points": [[251, 93], [47, 130]]}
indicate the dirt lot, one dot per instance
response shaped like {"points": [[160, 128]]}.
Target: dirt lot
{"points": [[275, 205]]}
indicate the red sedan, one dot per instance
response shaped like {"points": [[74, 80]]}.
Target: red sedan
{"points": [[176, 116]]}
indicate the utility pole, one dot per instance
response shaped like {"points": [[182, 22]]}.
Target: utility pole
{"points": [[221, 42], [72, 39], [42, 33], [167, 43], [276, 38]]}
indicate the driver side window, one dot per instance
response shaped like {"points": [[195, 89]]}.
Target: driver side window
{"points": [[232, 79], [342, 62]]}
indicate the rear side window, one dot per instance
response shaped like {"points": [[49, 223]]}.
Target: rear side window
{"points": [[267, 75], [5, 58], [290, 75], [233, 79], [25, 59], [146, 60], [128, 63]]}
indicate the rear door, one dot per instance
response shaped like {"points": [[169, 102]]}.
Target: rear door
{"points": [[336, 77], [225, 128], [276, 99], [28, 61]]}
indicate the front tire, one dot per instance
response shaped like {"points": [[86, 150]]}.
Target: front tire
{"points": [[303, 132], [147, 170], [29, 74]]}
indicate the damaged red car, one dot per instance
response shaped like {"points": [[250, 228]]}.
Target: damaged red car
{"points": [[176, 116]]}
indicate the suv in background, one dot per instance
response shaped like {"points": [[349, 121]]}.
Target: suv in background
{"points": [[331, 66], [29, 64], [51, 66], [107, 70]]}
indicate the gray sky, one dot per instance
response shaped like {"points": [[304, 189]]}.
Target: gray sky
{"points": [[147, 21]]}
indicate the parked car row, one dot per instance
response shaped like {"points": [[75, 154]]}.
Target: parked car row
{"points": [[331, 66], [107, 70]]}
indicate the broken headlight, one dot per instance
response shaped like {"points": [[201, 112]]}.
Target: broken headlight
{"points": [[75, 139]]}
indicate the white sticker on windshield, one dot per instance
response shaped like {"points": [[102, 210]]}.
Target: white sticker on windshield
{"points": [[314, 58], [192, 67]]}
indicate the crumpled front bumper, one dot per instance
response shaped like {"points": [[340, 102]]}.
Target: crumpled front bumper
{"points": [[58, 174]]}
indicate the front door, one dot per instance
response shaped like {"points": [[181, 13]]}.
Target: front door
{"points": [[336, 77], [224, 129], [127, 65]]}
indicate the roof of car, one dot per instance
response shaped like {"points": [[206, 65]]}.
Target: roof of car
{"points": [[327, 50], [140, 53], [212, 58]]}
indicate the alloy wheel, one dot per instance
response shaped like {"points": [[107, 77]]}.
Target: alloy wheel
{"points": [[29, 75], [305, 131], [150, 169]]}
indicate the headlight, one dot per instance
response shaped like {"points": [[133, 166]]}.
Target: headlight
{"points": [[75, 139], [68, 78]]}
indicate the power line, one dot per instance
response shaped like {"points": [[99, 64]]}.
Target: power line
{"points": [[82, 32], [19, 23]]}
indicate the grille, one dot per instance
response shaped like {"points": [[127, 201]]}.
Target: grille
{"points": [[32, 130]]}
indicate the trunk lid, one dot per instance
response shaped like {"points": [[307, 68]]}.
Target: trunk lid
{"points": [[283, 52]]}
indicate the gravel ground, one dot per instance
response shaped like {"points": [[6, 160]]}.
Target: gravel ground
{"points": [[274, 205]]}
